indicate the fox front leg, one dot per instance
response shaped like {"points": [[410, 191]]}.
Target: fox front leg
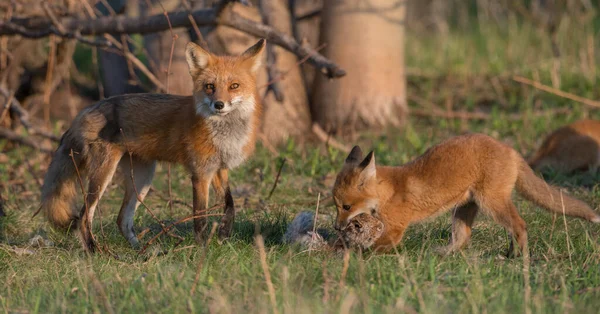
{"points": [[200, 185], [221, 186]]}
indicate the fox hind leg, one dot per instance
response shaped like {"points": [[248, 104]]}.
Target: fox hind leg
{"points": [[103, 165], [143, 172], [462, 222], [505, 213]]}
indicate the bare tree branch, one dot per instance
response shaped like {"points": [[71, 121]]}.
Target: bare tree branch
{"points": [[16, 108], [14, 137], [38, 27]]}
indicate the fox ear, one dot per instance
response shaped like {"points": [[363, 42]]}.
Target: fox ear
{"points": [[354, 156], [253, 55], [369, 170], [197, 58]]}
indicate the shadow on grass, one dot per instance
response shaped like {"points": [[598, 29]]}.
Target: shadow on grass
{"points": [[270, 226]]}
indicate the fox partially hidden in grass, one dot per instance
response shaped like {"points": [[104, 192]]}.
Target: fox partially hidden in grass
{"points": [[467, 174], [209, 132], [573, 147]]}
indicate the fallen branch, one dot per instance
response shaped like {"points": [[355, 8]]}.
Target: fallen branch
{"points": [[14, 137], [557, 92], [327, 139], [465, 115], [15, 107], [37, 27]]}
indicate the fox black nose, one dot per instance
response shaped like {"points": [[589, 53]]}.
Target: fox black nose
{"points": [[219, 105]]}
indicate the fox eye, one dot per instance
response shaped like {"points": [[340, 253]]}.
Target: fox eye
{"points": [[209, 86], [346, 207], [234, 86]]}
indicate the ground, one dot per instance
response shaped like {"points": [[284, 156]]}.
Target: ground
{"points": [[466, 71]]}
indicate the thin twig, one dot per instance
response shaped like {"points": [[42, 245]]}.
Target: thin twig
{"points": [[277, 178], [562, 202], [557, 92], [175, 201], [325, 138], [203, 42], [316, 214], [137, 63], [180, 221]]}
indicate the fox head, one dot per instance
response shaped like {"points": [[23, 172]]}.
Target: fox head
{"points": [[355, 188], [224, 84]]}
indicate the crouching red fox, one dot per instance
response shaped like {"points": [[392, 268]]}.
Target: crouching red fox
{"points": [[466, 174]]}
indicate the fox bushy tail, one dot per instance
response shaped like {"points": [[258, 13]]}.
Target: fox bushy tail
{"points": [[60, 187], [551, 198]]}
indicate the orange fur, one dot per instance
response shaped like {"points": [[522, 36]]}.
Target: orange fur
{"points": [[463, 174], [209, 132], [570, 148]]}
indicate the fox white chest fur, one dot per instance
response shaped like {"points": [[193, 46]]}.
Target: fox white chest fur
{"points": [[230, 135]]}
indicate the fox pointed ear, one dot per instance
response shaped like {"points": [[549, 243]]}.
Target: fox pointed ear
{"points": [[355, 155], [253, 55], [369, 170], [197, 58]]}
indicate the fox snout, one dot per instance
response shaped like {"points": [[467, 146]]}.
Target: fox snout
{"points": [[215, 107], [219, 105]]}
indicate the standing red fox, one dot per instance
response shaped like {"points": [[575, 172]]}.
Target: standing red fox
{"points": [[466, 174], [209, 132], [570, 148]]}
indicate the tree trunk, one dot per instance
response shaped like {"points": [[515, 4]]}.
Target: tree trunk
{"points": [[159, 45], [291, 117], [307, 31], [367, 39], [114, 69]]}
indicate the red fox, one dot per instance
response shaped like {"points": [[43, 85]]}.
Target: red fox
{"points": [[570, 148], [209, 132], [467, 174]]}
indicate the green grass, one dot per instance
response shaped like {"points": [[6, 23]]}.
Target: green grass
{"points": [[564, 271]]}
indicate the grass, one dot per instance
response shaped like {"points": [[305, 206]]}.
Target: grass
{"points": [[564, 272]]}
